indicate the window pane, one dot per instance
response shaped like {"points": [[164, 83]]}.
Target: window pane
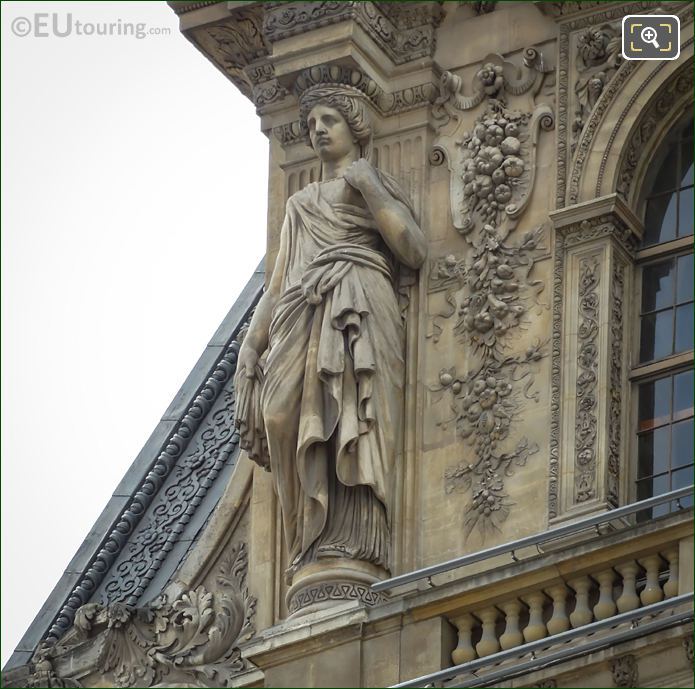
{"points": [[654, 404], [646, 489], [687, 161], [652, 452], [682, 478], [667, 177], [657, 286], [684, 291], [684, 328], [685, 212], [682, 443], [656, 340], [660, 219], [683, 395]]}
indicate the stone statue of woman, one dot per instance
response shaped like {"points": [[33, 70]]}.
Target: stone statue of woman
{"points": [[320, 372]]}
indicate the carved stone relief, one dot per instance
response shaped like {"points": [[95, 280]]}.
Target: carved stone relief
{"points": [[193, 639], [674, 91], [492, 168], [404, 31], [598, 57], [587, 380], [625, 671], [567, 74], [608, 227]]}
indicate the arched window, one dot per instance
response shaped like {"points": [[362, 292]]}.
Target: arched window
{"points": [[663, 370]]}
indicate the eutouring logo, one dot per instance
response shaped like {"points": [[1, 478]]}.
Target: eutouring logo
{"points": [[63, 25]]}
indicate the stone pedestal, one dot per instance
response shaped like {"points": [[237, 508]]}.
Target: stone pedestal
{"points": [[330, 581]]}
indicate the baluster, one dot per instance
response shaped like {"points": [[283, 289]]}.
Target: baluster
{"points": [[559, 622], [512, 634], [535, 629], [671, 586], [464, 651], [488, 643], [628, 600], [605, 607], [581, 614], [652, 592]]}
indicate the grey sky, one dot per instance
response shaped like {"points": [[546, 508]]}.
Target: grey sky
{"points": [[133, 212]]}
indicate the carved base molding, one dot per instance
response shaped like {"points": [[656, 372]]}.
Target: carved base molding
{"points": [[324, 584]]}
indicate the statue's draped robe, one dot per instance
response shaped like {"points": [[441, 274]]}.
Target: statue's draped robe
{"points": [[331, 398]]}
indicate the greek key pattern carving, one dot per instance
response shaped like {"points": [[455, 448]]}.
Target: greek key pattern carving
{"points": [[334, 590], [191, 475], [587, 379]]}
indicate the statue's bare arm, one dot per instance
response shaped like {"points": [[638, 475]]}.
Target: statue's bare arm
{"points": [[256, 340], [394, 220]]}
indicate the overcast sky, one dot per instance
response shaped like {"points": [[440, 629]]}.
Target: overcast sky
{"points": [[134, 180]]}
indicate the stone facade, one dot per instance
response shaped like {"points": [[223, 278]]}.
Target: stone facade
{"points": [[522, 139]]}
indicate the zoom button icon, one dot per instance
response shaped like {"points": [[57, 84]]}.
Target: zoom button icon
{"points": [[651, 37]]}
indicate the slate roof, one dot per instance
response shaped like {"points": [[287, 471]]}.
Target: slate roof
{"points": [[157, 511]]}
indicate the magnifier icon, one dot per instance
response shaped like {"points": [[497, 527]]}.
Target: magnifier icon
{"points": [[648, 35]]}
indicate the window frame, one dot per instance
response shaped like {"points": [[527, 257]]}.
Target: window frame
{"points": [[640, 373]]}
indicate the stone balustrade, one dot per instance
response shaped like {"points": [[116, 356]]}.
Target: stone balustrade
{"points": [[566, 604]]}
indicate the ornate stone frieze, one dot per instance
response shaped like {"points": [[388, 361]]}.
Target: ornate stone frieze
{"points": [[405, 32], [546, 684], [190, 472], [688, 648], [235, 45], [625, 671], [587, 381], [673, 92]]}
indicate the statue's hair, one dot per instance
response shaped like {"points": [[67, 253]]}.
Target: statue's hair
{"points": [[349, 102]]}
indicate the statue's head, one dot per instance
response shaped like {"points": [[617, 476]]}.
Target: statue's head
{"points": [[336, 120]]}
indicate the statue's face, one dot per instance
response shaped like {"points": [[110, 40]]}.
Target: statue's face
{"points": [[330, 135]]}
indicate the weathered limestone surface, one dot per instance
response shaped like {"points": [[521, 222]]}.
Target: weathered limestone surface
{"points": [[520, 139]]}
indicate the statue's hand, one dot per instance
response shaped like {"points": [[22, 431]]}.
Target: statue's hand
{"points": [[361, 175], [246, 363]]}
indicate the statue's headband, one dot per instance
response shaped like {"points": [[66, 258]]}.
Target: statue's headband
{"points": [[320, 92]]}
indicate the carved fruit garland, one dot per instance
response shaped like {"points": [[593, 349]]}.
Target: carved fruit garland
{"points": [[492, 168]]}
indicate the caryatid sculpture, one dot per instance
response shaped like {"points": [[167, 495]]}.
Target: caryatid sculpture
{"points": [[319, 379]]}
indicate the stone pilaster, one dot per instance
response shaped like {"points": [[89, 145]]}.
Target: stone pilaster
{"points": [[591, 333]]}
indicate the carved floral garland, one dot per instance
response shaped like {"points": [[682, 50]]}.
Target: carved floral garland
{"points": [[492, 169]]}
